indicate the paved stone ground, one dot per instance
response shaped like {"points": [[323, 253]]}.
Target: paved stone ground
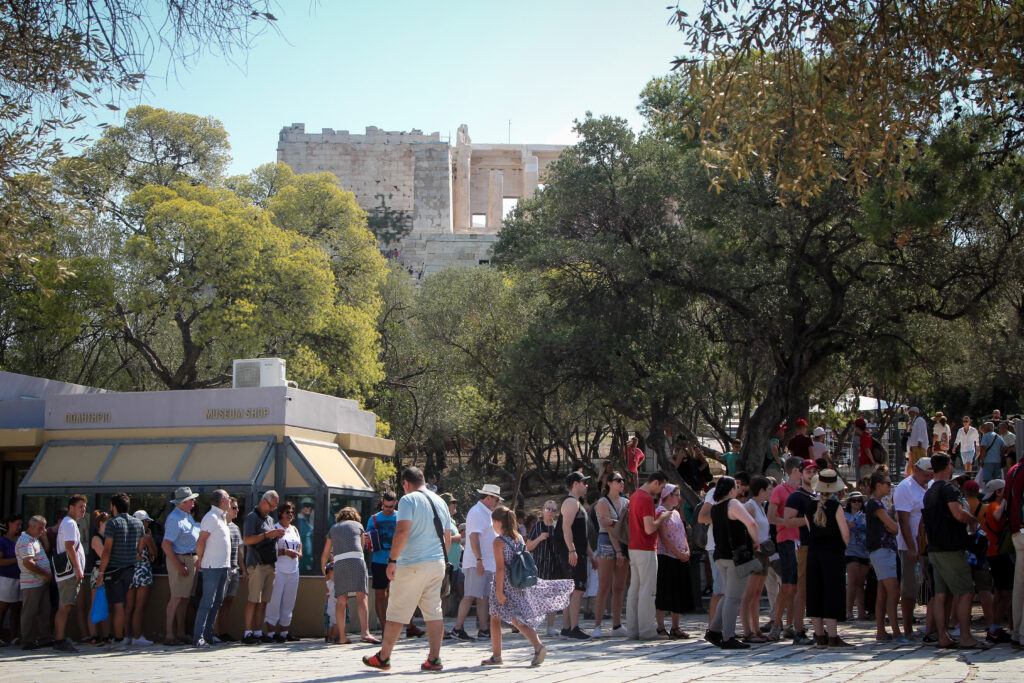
{"points": [[611, 659]]}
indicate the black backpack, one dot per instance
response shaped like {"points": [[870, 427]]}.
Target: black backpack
{"points": [[878, 452]]}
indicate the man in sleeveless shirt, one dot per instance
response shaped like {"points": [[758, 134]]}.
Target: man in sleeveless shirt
{"points": [[576, 554]]}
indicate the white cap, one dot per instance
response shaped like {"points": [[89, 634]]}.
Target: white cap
{"points": [[142, 516], [818, 431]]}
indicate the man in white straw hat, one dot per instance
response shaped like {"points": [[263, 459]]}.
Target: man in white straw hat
{"points": [[478, 564], [179, 545], [917, 444]]}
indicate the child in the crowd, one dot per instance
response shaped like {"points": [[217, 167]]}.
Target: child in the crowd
{"points": [[330, 621]]}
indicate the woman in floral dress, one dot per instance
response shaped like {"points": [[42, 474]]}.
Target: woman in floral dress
{"points": [[524, 608]]}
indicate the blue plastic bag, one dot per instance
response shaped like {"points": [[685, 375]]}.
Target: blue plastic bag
{"points": [[100, 611]]}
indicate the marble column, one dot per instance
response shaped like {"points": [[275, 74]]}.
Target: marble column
{"points": [[495, 195], [531, 175], [463, 155]]}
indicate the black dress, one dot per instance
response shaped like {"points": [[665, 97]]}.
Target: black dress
{"points": [[826, 570]]}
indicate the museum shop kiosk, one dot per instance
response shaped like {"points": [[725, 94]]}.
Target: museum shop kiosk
{"points": [[57, 439]]}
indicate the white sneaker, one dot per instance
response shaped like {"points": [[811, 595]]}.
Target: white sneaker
{"points": [[596, 633], [618, 631], [141, 642], [118, 646], [552, 632]]}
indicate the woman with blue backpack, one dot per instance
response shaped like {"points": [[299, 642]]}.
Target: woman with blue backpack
{"points": [[518, 597]]}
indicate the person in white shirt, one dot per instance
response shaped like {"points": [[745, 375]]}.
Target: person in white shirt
{"points": [[69, 540], [478, 563], [1010, 439], [918, 443], [819, 449], [286, 579], [908, 499], [213, 557], [942, 435], [966, 444]]}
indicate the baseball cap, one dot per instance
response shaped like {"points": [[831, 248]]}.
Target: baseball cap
{"points": [[819, 431], [801, 422], [808, 463], [575, 477], [860, 422], [924, 464], [971, 486], [993, 485]]}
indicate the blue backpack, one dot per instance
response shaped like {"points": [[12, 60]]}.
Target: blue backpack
{"points": [[521, 569]]}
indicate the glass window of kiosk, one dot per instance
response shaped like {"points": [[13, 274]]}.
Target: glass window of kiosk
{"points": [[305, 522]]}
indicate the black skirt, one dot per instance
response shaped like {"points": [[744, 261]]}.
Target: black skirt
{"points": [[674, 593]]}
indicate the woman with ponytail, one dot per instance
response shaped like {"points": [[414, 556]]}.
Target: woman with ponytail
{"points": [[829, 536]]}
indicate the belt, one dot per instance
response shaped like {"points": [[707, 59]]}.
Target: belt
{"points": [[351, 555], [184, 554]]}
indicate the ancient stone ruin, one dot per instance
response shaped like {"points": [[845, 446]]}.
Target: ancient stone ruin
{"points": [[430, 203]]}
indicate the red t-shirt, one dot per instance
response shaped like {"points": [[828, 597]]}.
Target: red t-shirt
{"points": [[641, 505], [778, 499], [800, 446], [1012, 494], [634, 456], [865, 450]]}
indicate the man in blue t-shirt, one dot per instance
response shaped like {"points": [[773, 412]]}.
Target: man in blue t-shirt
{"points": [[381, 529], [991, 452], [416, 566]]}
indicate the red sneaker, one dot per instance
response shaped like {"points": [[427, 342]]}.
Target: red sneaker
{"points": [[414, 632], [377, 663], [432, 665]]}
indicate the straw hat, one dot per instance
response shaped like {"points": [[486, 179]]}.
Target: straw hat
{"points": [[827, 481]]}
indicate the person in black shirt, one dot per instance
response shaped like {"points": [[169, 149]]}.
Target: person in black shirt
{"points": [[945, 521], [829, 535], [802, 503]]}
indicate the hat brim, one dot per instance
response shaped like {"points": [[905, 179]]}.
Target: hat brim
{"points": [[489, 493], [179, 501]]}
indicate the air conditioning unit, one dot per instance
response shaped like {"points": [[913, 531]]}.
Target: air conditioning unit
{"points": [[258, 372]]}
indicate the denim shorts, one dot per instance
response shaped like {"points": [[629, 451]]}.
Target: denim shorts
{"points": [[604, 547], [789, 568], [885, 562]]}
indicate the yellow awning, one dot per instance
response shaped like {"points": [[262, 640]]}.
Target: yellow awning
{"points": [[331, 465], [70, 464]]}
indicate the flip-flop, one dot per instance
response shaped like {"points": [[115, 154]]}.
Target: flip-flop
{"points": [[339, 641], [975, 646], [370, 639], [491, 661], [951, 646]]}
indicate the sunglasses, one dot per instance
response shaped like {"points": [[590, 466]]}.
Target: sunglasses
{"points": [[618, 479], [550, 509], [234, 507]]}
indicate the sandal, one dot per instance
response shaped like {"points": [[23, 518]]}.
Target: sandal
{"points": [[754, 638], [538, 656], [491, 661], [339, 641], [372, 640], [679, 634]]}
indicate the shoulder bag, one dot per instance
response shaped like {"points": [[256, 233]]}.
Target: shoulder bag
{"points": [[446, 583]]}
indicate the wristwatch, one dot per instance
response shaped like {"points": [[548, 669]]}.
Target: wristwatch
{"points": [[390, 561]]}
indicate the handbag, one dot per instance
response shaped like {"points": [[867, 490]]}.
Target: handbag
{"points": [[742, 554], [100, 610], [769, 547], [749, 567], [62, 567], [620, 530], [446, 582]]}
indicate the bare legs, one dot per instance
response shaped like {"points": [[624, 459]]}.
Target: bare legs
{"points": [[885, 605], [856, 575]]}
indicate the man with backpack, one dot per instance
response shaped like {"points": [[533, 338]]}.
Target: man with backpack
{"points": [[865, 460]]}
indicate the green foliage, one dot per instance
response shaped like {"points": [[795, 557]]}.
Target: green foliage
{"points": [[60, 59]]}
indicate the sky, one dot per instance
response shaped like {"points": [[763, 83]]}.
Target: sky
{"points": [[349, 64]]}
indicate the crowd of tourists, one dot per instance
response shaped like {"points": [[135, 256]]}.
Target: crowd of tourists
{"points": [[821, 549]]}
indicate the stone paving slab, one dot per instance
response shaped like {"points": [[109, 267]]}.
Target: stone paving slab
{"points": [[611, 659]]}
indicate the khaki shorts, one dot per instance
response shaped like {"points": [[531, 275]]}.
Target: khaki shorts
{"points": [[182, 586], [952, 573], [801, 567], [916, 453], [416, 585], [67, 590], [261, 582]]}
